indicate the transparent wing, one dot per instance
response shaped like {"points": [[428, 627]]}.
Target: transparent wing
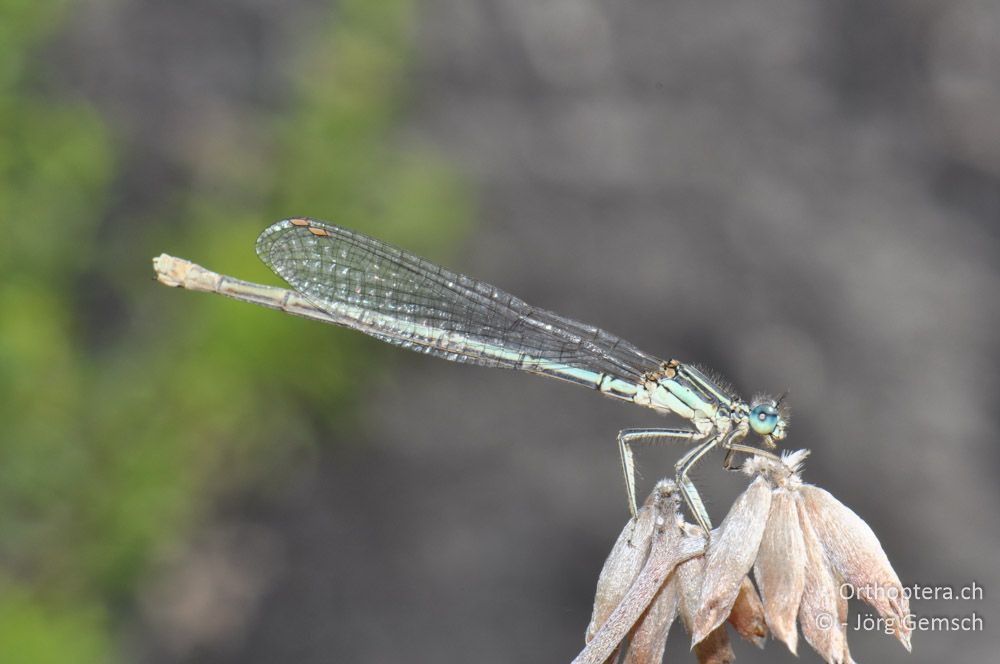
{"points": [[395, 296]]}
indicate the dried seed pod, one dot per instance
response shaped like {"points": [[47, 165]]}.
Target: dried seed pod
{"points": [[780, 568], [649, 638], [667, 548], [731, 553], [747, 616], [690, 576], [715, 648], [855, 553], [622, 565], [819, 612]]}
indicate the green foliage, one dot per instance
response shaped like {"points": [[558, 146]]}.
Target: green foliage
{"points": [[120, 431], [35, 633]]}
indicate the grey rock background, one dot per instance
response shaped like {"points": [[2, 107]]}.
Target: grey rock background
{"points": [[800, 195]]}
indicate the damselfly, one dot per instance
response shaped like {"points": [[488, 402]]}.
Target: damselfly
{"points": [[346, 278]]}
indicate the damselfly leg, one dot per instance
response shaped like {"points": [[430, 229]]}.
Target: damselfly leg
{"points": [[688, 490], [629, 438], [737, 448]]}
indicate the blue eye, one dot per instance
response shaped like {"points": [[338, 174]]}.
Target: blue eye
{"points": [[763, 419]]}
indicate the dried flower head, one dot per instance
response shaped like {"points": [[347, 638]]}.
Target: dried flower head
{"points": [[654, 574], [633, 596], [803, 545], [803, 552]]}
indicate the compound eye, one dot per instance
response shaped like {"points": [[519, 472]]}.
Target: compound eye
{"points": [[764, 419]]}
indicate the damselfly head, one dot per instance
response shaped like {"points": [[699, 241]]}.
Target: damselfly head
{"points": [[768, 419]]}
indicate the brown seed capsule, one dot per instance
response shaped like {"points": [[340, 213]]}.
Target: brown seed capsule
{"points": [[622, 565], [731, 553], [819, 613], [780, 568], [715, 648], [667, 548], [856, 555], [649, 639], [747, 616]]}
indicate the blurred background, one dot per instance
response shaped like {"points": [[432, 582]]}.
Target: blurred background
{"points": [[799, 195]]}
